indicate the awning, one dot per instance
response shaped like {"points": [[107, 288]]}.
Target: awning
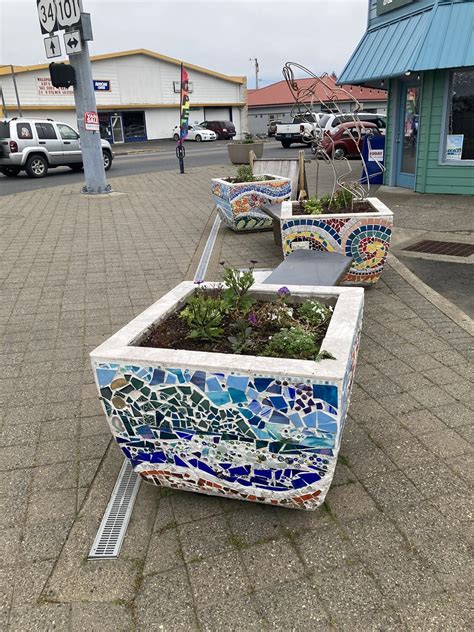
{"points": [[441, 37]]}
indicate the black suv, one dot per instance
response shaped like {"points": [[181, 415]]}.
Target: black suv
{"points": [[223, 129]]}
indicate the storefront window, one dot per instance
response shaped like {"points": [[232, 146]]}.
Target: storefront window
{"points": [[134, 126], [460, 125]]}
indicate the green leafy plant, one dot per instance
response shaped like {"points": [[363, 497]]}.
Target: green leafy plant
{"points": [[237, 283], [314, 313], [340, 200], [294, 342], [241, 338], [313, 206], [244, 174], [203, 315]]}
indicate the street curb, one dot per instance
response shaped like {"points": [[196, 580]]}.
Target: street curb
{"points": [[443, 304]]}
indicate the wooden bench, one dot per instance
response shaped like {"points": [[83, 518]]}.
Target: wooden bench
{"points": [[310, 267], [274, 211]]}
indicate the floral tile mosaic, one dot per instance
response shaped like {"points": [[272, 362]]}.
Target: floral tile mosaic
{"points": [[254, 438], [365, 239], [238, 204]]}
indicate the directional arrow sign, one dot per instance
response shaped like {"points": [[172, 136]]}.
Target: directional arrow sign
{"points": [[52, 46], [72, 42]]}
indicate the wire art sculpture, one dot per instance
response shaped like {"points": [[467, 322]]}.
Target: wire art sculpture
{"points": [[329, 96]]}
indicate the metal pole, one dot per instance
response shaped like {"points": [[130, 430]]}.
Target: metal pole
{"points": [[5, 113], [91, 147], [16, 90], [256, 73]]}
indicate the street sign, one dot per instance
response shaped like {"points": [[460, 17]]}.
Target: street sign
{"points": [[68, 12], [72, 42], [52, 46], [47, 15], [91, 121]]}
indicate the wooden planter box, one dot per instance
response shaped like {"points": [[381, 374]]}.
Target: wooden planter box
{"points": [[238, 204], [243, 427], [363, 236]]}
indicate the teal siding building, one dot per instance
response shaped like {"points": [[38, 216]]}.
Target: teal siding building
{"points": [[422, 51]]}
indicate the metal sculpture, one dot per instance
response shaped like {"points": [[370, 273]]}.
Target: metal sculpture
{"points": [[328, 95]]}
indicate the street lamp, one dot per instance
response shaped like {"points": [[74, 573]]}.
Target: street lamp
{"points": [[254, 59], [15, 86]]}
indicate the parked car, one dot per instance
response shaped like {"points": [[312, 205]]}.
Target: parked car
{"points": [[36, 145], [329, 121], [272, 127], [346, 139], [223, 129], [301, 130], [195, 132]]}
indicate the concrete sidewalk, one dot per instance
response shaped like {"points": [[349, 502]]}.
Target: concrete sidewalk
{"points": [[389, 548]]}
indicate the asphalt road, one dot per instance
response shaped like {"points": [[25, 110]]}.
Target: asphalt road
{"points": [[197, 155]]}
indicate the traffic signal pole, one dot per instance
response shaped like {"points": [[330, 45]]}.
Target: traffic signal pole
{"points": [[84, 96]]}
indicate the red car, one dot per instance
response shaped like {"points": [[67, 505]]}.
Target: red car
{"points": [[347, 139]]}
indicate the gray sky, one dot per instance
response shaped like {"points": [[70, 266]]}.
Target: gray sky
{"points": [[220, 35]]}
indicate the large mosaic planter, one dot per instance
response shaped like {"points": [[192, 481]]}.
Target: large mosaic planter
{"points": [[243, 427], [363, 236], [238, 204]]}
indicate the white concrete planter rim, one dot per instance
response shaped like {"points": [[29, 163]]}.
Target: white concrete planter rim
{"points": [[338, 340], [379, 210], [266, 175]]}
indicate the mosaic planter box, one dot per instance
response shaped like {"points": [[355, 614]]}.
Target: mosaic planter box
{"points": [[238, 204], [244, 427], [363, 236]]}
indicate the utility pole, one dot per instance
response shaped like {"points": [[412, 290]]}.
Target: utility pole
{"points": [[255, 60], [55, 15], [12, 68], [91, 146]]}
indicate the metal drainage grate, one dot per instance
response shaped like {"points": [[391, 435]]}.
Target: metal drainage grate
{"points": [[112, 530], [451, 248]]}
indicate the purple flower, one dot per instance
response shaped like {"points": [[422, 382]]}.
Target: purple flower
{"points": [[252, 318], [253, 261], [198, 282], [222, 263], [283, 291]]}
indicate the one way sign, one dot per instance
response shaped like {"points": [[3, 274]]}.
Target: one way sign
{"points": [[52, 46], [72, 42]]}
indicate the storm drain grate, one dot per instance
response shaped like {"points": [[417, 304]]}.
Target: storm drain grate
{"points": [[112, 530], [451, 248]]}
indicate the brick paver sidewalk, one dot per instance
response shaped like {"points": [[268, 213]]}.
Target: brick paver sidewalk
{"points": [[388, 550]]}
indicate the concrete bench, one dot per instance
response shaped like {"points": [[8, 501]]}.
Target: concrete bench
{"points": [[310, 267]]}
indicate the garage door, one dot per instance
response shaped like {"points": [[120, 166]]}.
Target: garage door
{"points": [[218, 114]]}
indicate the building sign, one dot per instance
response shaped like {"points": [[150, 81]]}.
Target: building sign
{"points": [[101, 85], [454, 144], [383, 6], [177, 86], [91, 121], [44, 86]]}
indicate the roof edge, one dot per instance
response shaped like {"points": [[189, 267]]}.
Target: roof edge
{"points": [[128, 53]]}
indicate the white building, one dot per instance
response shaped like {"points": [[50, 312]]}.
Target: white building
{"points": [[137, 95]]}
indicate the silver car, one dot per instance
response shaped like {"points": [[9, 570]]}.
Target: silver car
{"points": [[36, 145]]}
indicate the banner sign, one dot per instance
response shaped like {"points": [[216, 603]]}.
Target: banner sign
{"points": [[454, 145], [91, 121], [44, 86], [184, 107], [389, 5], [101, 85]]}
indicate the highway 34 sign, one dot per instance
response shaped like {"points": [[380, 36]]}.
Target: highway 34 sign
{"points": [[58, 14]]}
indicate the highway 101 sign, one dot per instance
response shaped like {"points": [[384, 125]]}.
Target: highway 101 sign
{"points": [[58, 14]]}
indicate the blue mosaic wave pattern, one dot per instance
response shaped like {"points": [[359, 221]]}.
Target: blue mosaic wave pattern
{"points": [[253, 437]]}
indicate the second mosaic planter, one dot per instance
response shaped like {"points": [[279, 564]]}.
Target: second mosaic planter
{"points": [[363, 236], [244, 427]]}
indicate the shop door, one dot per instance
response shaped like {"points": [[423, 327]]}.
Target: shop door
{"points": [[407, 135], [117, 128]]}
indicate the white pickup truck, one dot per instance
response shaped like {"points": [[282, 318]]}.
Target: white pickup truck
{"points": [[304, 129]]}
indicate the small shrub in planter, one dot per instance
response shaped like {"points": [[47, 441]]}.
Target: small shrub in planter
{"points": [[360, 229], [238, 390], [238, 199]]}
